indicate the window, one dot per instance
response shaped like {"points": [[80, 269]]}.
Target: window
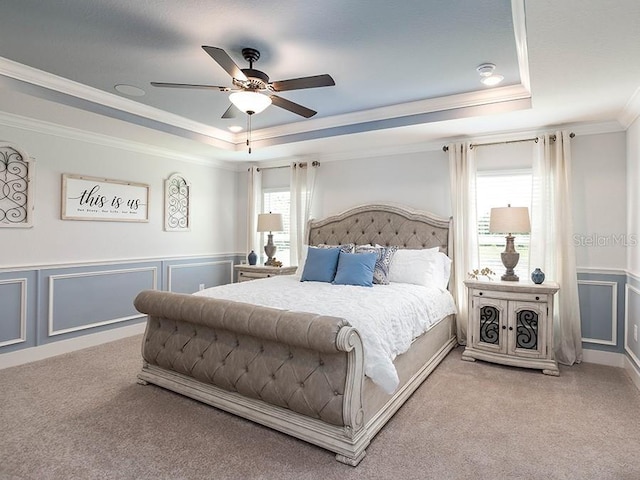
{"points": [[278, 201], [499, 189]]}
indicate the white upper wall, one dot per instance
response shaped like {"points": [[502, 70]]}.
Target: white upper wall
{"points": [[55, 241], [599, 173], [421, 180], [633, 196], [418, 180]]}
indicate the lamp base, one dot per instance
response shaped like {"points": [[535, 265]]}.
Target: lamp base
{"points": [[270, 250], [510, 259]]}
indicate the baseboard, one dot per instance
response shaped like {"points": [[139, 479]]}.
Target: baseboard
{"points": [[633, 372], [41, 352], [611, 359]]}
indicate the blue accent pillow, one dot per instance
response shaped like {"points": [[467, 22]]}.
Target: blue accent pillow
{"points": [[356, 269], [321, 265]]}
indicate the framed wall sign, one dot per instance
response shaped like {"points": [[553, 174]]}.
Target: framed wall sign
{"points": [[102, 199]]}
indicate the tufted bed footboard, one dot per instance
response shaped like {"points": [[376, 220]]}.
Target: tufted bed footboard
{"points": [[296, 372]]}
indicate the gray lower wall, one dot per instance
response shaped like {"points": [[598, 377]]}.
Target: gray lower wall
{"points": [[43, 305], [48, 304], [632, 319]]}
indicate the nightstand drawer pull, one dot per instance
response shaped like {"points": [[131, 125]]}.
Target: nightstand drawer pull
{"points": [[537, 298], [504, 327], [510, 328], [480, 293]]}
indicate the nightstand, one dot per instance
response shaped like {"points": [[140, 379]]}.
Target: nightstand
{"points": [[253, 272], [511, 323]]}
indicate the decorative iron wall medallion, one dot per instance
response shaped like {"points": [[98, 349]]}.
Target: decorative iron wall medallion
{"points": [[15, 187], [177, 205]]}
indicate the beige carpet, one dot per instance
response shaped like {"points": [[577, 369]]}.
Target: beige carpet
{"points": [[82, 416]]}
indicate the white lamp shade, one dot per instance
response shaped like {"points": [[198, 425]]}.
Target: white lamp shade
{"points": [[270, 222], [509, 220], [253, 102]]}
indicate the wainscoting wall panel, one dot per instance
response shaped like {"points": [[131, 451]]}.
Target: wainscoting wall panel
{"points": [[602, 310], [83, 300], [13, 298], [41, 305], [190, 276], [598, 300], [632, 320], [17, 309]]}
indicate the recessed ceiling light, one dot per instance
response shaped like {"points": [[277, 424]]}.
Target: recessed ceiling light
{"points": [[129, 90], [492, 80], [487, 77], [235, 128]]}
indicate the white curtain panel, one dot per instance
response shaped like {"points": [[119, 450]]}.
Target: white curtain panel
{"points": [[552, 247], [462, 172], [303, 181], [254, 207]]}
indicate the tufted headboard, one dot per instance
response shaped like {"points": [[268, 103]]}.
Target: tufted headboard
{"points": [[383, 225]]}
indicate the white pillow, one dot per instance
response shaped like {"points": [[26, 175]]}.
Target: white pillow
{"points": [[413, 266], [427, 267], [445, 266]]}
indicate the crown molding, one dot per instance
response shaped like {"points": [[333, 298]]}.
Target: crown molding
{"points": [[432, 105], [631, 110], [405, 149], [48, 128], [520, 33], [33, 76]]}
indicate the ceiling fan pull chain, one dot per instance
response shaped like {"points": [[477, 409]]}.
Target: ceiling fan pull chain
{"points": [[249, 132]]}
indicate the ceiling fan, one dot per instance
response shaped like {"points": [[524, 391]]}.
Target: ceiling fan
{"points": [[249, 85]]}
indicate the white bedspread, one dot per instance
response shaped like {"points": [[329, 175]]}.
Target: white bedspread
{"points": [[388, 317]]}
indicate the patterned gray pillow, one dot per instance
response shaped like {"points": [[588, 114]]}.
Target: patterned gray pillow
{"points": [[346, 248], [383, 261]]}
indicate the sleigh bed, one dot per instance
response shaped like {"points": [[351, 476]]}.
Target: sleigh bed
{"points": [[298, 372]]}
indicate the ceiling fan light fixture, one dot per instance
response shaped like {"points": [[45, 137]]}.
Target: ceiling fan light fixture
{"points": [[247, 101]]}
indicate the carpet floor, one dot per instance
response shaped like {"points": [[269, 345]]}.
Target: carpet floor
{"points": [[83, 416]]}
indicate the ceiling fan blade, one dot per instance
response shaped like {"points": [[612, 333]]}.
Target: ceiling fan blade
{"points": [[292, 106], [225, 61], [231, 112], [324, 80], [189, 85]]}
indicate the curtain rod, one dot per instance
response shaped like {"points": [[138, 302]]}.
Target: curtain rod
{"points": [[534, 139], [315, 163]]}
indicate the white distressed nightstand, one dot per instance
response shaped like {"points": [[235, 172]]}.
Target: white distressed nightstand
{"points": [[511, 323], [253, 272]]}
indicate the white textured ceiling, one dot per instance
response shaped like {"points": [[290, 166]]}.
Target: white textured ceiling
{"points": [[403, 70]]}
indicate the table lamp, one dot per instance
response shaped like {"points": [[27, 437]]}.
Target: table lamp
{"points": [[270, 222], [509, 220]]}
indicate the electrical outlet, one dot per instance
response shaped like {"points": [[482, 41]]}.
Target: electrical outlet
{"points": [[201, 286], [635, 333]]}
